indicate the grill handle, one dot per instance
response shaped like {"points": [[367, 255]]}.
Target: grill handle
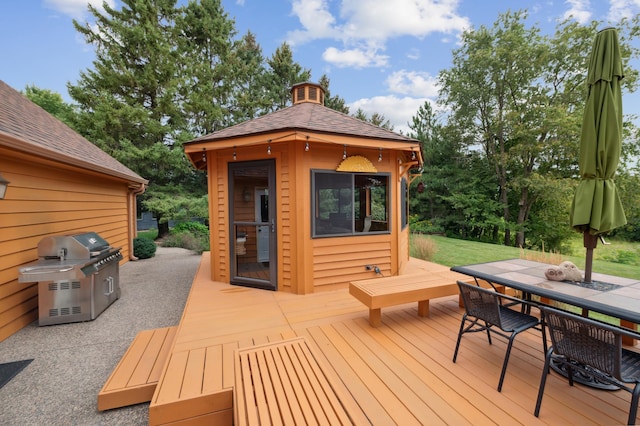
{"points": [[47, 270]]}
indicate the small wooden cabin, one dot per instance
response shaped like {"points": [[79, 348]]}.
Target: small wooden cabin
{"points": [[59, 184], [306, 198]]}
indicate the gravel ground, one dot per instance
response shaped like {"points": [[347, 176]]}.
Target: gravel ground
{"points": [[71, 362]]}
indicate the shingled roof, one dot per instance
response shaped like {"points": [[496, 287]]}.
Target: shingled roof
{"points": [[306, 116], [26, 127]]}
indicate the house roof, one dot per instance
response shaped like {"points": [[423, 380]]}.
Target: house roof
{"points": [[307, 116], [26, 127]]}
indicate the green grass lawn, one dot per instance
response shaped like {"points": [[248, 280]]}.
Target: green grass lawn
{"points": [[451, 252]]}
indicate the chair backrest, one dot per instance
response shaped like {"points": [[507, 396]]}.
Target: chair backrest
{"points": [[481, 303], [584, 340]]}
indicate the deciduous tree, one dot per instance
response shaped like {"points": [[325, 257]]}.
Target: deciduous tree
{"points": [[518, 97]]}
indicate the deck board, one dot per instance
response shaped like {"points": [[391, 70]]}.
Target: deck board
{"points": [[399, 373], [136, 375]]}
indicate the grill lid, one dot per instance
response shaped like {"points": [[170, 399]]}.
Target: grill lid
{"points": [[79, 246]]}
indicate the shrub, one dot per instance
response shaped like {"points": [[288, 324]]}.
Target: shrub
{"points": [[195, 228], [144, 248], [625, 257], [189, 235], [425, 226], [187, 240]]}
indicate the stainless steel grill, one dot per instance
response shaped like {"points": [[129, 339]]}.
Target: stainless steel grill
{"points": [[77, 275]]}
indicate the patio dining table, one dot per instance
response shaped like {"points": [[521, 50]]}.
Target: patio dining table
{"points": [[618, 297], [610, 295]]}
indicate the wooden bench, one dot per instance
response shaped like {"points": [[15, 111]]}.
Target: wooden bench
{"points": [[378, 293], [283, 383], [134, 379]]}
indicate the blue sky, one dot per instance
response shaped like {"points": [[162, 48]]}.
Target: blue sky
{"points": [[380, 55]]}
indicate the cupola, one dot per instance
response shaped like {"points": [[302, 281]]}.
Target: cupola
{"points": [[307, 92]]}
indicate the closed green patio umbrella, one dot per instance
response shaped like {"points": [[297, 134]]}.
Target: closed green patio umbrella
{"points": [[596, 207]]}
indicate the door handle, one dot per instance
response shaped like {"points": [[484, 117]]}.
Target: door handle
{"points": [[273, 225]]}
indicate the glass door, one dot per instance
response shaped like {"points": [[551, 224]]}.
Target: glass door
{"points": [[253, 224]]}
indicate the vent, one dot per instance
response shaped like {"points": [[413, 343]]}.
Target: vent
{"points": [[64, 285], [307, 92], [73, 310]]}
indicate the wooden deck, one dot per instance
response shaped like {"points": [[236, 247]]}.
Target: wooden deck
{"points": [[399, 373]]}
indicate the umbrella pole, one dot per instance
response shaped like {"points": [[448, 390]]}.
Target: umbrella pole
{"points": [[590, 242]]}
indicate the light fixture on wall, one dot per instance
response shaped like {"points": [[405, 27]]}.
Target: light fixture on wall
{"points": [[380, 155], [269, 148], [246, 195], [344, 152], [306, 146], [204, 156], [413, 155], [3, 187], [235, 157]]}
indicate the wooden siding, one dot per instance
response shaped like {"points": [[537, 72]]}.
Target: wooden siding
{"points": [[45, 199], [403, 247], [306, 264], [218, 211], [342, 260], [285, 203]]}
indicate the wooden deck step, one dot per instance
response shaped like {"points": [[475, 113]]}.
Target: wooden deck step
{"points": [[285, 383], [134, 379], [196, 386]]}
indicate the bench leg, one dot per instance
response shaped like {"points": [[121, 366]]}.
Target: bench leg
{"points": [[423, 308], [375, 317]]}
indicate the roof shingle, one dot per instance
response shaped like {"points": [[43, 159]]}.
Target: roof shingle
{"points": [[37, 130], [310, 117]]}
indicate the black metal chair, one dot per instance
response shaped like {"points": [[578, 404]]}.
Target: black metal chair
{"points": [[592, 348], [489, 310]]}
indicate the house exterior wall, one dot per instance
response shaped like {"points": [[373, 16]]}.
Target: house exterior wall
{"points": [[306, 264], [46, 198]]}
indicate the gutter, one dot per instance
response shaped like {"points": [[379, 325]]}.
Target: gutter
{"points": [[132, 228]]}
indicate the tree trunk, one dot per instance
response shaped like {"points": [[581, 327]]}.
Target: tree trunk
{"points": [[163, 229], [505, 212], [523, 215]]}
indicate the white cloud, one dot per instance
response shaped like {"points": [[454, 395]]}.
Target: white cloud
{"points": [[413, 54], [623, 9], [76, 9], [578, 10], [382, 19], [364, 26], [414, 83], [316, 19], [354, 58], [415, 88], [398, 111]]}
